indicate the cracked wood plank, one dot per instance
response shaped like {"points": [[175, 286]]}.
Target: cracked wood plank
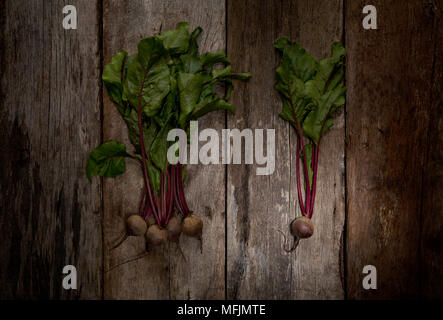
{"points": [[50, 119], [164, 274], [259, 206], [389, 79], [432, 211]]}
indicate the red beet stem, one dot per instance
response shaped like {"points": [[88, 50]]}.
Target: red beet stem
{"points": [[142, 144], [169, 195], [297, 168], [176, 197], [314, 179], [181, 191], [141, 208], [305, 165]]}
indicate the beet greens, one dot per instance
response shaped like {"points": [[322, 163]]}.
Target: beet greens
{"points": [[311, 91], [165, 85]]}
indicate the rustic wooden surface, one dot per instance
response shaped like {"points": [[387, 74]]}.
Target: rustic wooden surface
{"points": [[390, 80], [259, 206], [379, 196], [165, 273], [50, 120], [432, 212]]}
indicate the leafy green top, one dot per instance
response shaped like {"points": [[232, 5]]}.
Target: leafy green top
{"points": [[173, 83], [312, 89]]}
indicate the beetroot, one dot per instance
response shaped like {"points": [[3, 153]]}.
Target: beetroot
{"points": [[302, 227], [311, 92], [192, 226], [174, 229], [135, 226], [155, 236]]}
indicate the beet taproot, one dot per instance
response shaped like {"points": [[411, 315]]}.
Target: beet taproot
{"points": [[135, 226], [174, 229], [155, 236], [192, 226], [302, 228]]}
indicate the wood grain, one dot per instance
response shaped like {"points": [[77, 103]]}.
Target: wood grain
{"points": [[202, 276], [389, 80], [50, 99], [432, 212], [50, 117], [164, 274], [259, 206]]}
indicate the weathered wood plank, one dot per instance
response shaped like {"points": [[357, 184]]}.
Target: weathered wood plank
{"points": [[164, 273], [258, 206], [432, 213], [50, 117], [389, 74], [203, 275]]}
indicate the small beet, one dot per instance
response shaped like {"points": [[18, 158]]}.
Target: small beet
{"points": [[156, 236], [136, 225], [302, 227], [151, 220], [174, 229], [192, 226]]}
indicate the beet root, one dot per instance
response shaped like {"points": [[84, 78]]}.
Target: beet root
{"points": [[136, 225], [156, 236], [151, 220], [192, 226], [302, 228], [174, 229]]}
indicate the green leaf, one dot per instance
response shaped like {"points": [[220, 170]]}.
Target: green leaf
{"points": [[282, 43], [193, 46], [216, 104], [308, 150], [176, 40], [290, 86], [210, 59], [338, 51], [150, 135], [159, 148], [220, 74], [148, 79], [197, 94], [302, 108], [328, 124], [315, 121], [298, 60], [131, 120], [173, 84], [150, 129], [313, 90], [191, 63], [129, 61], [241, 76], [189, 86], [154, 175], [107, 160], [184, 171], [112, 77], [330, 70]]}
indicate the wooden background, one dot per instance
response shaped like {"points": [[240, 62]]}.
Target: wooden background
{"points": [[380, 191]]}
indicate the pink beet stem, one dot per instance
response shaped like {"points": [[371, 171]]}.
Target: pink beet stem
{"points": [[142, 146], [297, 168], [305, 165]]}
